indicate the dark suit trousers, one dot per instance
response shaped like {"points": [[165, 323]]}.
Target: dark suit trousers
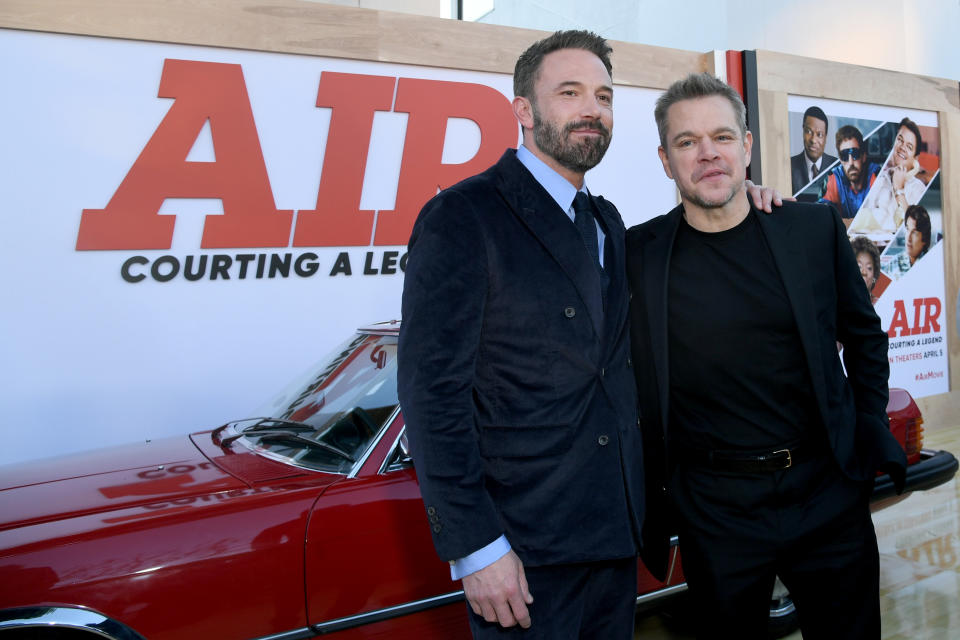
{"points": [[808, 524], [593, 600]]}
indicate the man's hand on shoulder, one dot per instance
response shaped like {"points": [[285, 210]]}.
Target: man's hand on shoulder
{"points": [[499, 592], [763, 197]]}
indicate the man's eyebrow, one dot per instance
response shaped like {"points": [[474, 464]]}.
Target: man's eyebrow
{"points": [[684, 134], [578, 84]]}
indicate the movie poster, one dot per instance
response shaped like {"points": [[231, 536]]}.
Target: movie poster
{"points": [[880, 168]]}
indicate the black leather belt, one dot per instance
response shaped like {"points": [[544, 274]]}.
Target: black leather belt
{"points": [[750, 463]]}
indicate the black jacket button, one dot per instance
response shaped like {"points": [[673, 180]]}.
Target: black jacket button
{"points": [[569, 312]]}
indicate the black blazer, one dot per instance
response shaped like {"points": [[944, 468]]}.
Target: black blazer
{"points": [[830, 303], [515, 384], [798, 170]]}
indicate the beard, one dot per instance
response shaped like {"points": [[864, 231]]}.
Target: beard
{"points": [[705, 202], [579, 157], [713, 203]]}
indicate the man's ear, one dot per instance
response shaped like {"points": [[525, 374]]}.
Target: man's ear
{"points": [[665, 161], [747, 146], [523, 110]]}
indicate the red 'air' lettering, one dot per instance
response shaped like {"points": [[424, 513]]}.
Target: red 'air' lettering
{"points": [[430, 104], [929, 308], [338, 220], [202, 91]]}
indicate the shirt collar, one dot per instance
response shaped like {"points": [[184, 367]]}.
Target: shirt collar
{"points": [[556, 185]]}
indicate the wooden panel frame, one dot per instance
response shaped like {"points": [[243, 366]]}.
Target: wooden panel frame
{"points": [[780, 75], [310, 28]]}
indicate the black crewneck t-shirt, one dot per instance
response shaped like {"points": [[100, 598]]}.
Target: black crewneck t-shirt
{"points": [[738, 375]]}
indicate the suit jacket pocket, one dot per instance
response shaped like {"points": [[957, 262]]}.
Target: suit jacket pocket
{"points": [[525, 441]]}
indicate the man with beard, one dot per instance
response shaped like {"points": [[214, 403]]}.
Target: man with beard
{"points": [[765, 451], [514, 375], [848, 184]]}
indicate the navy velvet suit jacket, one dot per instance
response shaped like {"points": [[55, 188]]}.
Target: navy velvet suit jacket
{"points": [[830, 303], [514, 381]]}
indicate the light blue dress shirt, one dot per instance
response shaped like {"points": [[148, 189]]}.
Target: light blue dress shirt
{"points": [[563, 193]]}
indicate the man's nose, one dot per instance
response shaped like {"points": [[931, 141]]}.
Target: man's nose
{"points": [[708, 150], [590, 108]]}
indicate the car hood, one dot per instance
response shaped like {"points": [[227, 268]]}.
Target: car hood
{"points": [[107, 479]]}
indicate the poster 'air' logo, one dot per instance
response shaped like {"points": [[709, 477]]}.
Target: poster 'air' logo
{"points": [[216, 92]]}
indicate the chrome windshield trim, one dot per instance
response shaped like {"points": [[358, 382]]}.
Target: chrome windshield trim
{"points": [[661, 593], [66, 618], [387, 613], [373, 445], [393, 447]]}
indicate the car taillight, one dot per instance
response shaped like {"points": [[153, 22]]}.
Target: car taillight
{"points": [[913, 432]]}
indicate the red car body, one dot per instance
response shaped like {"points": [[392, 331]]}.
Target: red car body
{"points": [[258, 534]]}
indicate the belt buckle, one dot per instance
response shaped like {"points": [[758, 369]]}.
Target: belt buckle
{"points": [[789, 457]]}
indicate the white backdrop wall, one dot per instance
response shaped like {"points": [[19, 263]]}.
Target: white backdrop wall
{"points": [[90, 358]]}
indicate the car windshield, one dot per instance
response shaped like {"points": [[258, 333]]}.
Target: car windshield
{"points": [[328, 417]]}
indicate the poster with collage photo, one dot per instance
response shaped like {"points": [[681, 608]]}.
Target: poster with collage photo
{"points": [[880, 168]]}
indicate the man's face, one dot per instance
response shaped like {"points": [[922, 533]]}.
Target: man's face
{"points": [[814, 136], [852, 157], [572, 113], [706, 154], [914, 244], [865, 262], [910, 223], [904, 148]]}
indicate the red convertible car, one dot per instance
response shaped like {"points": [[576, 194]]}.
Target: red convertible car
{"points": [[304, 521]]}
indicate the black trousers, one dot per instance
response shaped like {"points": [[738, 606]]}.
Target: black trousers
{"points": [[594, 600], [808, 524]]}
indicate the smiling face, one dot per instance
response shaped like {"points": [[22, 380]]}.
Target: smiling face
{"points": [[569, 123], [904, 148], [814, 136], [706, 154]]}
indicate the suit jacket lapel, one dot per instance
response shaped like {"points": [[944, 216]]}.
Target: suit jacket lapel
{"points": [[540, 213], [790, 257], [656, 270], [614, 263]]}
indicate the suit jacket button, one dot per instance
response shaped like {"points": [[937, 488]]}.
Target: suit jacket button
{"points": [[437, 528], [569, 312], [603, 440], [431, 511]]}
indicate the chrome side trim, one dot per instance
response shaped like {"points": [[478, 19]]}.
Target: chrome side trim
{"points": [[66, 618], [378, 615], [298, 634], [661, 593]]}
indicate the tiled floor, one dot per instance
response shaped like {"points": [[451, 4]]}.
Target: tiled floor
{"points": [[919, 541]]}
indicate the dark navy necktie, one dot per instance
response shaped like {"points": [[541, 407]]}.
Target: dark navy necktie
{"points": [[587, 225]]}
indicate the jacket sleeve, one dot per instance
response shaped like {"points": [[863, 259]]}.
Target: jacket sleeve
{"points": [[444, 295], [865, 359]]}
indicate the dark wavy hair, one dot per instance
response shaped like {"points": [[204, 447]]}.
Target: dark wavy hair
{"points": [[527, 70], [850, 132]]}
